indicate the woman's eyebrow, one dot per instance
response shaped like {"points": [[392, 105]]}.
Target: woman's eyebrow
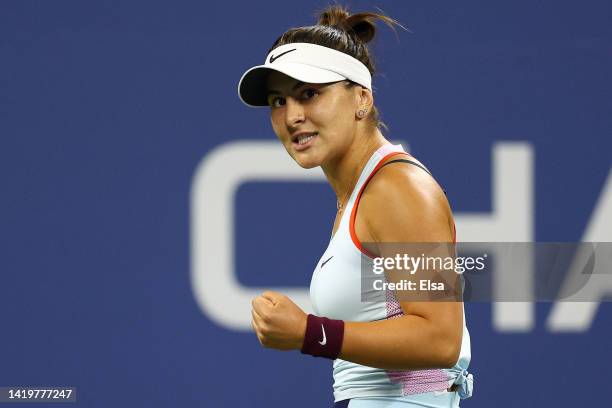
{"points": [[296, 86]]}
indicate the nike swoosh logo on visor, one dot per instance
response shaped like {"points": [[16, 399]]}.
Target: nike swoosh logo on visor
{"points": [[274, 58]]}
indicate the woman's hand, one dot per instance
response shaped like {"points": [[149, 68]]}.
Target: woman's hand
{"points": [[278, 322]]}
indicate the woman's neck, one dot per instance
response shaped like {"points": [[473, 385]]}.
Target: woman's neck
{"points": [[343, 173]]}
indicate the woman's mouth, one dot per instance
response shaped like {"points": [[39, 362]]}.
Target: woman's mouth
{"points": [[304, 141]]}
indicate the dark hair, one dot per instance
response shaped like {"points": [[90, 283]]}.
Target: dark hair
{"points": [[338, 29]]}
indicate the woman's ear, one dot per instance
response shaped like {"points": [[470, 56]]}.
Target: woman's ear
{"points": [[365, 101], [367, 98]]}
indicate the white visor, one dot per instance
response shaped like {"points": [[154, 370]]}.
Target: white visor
{"points": [[309, 63]]}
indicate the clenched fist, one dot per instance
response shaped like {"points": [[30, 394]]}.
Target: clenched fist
{"points": [[278, 322]]}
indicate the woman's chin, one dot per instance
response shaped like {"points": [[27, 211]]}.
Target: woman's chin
{"points": [[306, 163], [307, 159]]}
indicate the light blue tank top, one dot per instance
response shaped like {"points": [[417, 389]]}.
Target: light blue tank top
{"points": [[335, 292]]}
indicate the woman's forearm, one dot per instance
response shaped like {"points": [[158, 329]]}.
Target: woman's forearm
{"points": [[409, 342]]}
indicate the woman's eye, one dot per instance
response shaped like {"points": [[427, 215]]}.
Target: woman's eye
{"points": [[309, 93], [276, 102]]}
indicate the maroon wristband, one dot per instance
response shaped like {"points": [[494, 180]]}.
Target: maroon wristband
{"points": [[323, 337]]}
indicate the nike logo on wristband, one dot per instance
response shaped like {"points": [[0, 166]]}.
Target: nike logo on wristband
{"points": [[324, 341], [274, 58]]}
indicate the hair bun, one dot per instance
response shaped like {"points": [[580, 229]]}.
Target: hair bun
{"points": [[360, 25], [334, 16]]}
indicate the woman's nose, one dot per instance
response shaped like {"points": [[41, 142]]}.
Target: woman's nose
{"points": [[294, 112]]}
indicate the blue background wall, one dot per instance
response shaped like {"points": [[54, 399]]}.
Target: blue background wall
{"points": [[107, 108]]}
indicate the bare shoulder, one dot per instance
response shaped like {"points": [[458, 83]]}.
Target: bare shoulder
{"points": [[404, 203]]}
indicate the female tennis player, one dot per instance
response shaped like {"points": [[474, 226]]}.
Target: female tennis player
{"points": [[317, 81]]}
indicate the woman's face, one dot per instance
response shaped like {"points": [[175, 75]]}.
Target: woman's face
{"points": [[315, 122]]}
